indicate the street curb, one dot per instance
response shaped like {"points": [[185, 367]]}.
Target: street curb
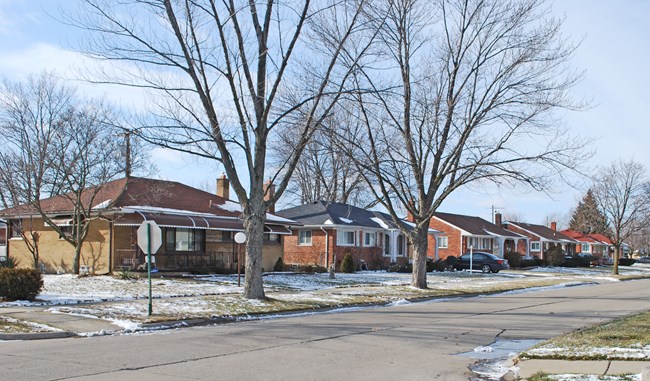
{"points": [[36, 336]]}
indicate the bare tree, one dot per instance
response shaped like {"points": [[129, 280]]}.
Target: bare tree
{"points": [[230, 75], [324, 171], [55, 144], [623, 194], [459, 92]]}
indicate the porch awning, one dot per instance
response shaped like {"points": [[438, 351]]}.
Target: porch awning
{"points": [[62, 221], [276, 229], [192, 222]]}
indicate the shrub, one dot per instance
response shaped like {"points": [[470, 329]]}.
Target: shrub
{"points": [[8, 263], [514, 259], [577, 261], [626, 261], [347, 266], [279, 265], [126, 274], [431, 265], [20, 284], [532, 262], [554, 256], [396, 268]]}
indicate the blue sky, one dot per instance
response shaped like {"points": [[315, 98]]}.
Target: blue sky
{"points": [[615, 53]]}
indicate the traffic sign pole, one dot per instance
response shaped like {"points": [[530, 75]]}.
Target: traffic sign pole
{"points": [[149, 240]]}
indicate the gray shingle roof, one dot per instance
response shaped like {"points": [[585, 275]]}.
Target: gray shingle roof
{"points": [[332, 213]]}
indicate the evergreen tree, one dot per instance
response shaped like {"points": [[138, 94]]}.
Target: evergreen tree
{"points": [[587, 218]]}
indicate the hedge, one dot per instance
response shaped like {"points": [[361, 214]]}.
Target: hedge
{"points": [[20, 284]]}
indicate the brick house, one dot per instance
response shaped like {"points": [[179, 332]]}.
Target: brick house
{"points": [[330, 230], [198, 228], [459, 232], [594, 244], [541, 238]]}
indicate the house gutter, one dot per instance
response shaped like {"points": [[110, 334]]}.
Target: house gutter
{"points": [[327, 246]]}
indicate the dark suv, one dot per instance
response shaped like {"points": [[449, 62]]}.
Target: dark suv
{"points": [[485, 262]]}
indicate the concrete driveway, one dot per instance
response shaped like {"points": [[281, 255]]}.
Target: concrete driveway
{"points": [[406, 342]]}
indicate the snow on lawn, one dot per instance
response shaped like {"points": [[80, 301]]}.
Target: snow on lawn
{"points": [[639, 353]]}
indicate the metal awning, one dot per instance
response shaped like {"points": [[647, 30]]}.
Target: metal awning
{"points": [[192, 221], [62, 221], [276, 229]]}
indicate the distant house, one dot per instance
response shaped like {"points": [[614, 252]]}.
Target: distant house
{"points": [[330, 230], [459, 233], [594, 244], [198, 228], [542, 238]]}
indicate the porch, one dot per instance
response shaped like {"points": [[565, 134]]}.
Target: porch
{"points": [[134, 259]]}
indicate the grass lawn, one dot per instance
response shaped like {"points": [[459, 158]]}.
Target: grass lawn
{"points": [[627, 338]]}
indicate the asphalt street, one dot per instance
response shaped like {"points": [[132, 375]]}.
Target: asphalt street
{"points": [[404, 342]]}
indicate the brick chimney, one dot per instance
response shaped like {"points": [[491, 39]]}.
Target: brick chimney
{"points": [[409, 215], [553, 225], [497, 219], [223, 186], [269, 193]]}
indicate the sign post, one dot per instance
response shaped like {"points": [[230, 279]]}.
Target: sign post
{"points": [[149, 240], [239, 238]]}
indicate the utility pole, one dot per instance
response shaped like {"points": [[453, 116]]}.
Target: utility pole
{"points": [[127, 153], [495, 209]]}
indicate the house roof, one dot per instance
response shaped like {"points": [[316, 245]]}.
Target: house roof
{"points": [[475, 225], [324, 213], [542, 231], [141, 194], [590, 238]]}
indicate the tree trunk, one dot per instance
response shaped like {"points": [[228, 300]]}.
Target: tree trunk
{"points": [[420, 243], [77, 257], [616, 255], [254, 229]]}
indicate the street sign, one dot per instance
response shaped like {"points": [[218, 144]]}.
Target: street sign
{"points": [[149, 231], [150, 240]]}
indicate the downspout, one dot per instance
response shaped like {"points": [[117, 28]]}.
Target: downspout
{"points": [[111, 236], [327, 247]]}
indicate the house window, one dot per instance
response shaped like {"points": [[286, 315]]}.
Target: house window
{"points": [[400, 245], [370, 239], [585, 248], [66, 231], [178, 239], [486, 243], [346, 238], [226, 236], [386, 244], [473, 242], [15, 229], [272, 237], [443, 242], [304, 237], [535, 246]]}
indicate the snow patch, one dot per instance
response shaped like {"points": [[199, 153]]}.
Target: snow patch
{"points": [[103, 204], [347, 221], [380, 222]]}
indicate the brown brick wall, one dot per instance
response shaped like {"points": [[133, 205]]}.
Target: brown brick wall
{"points": [[315, 255], [453, 240], [56, 253]]}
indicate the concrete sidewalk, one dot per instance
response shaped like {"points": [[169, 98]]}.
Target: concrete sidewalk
{"points": [[67, 324], [528, 368]]}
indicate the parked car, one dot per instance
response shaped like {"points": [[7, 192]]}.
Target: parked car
{"points": [[644, 259], [485, 262]]}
